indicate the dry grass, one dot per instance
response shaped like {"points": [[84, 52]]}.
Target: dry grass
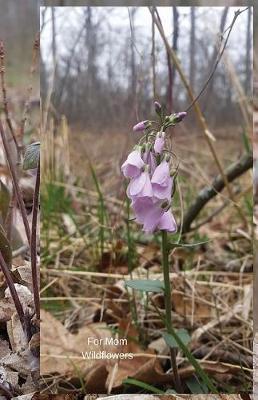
{"points": [[212, 283]]}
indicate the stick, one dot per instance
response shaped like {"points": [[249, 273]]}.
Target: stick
{"points": [[16, 187], [205, 195], [33, 244]]}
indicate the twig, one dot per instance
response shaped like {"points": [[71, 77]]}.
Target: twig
{"points": [[33, 244], [232, 172], [199, 114], [9, 281], [9, 218], [16, 187]]}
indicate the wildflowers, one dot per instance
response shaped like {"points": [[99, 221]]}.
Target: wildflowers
{"points": [[151, 174]]}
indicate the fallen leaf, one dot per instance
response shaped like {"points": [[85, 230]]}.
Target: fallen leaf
{"points": [[58, 345]]}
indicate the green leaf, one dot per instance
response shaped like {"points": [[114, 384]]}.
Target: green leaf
{"points": [[5, 247], [195, 386], [181, 333], [4, 201], [146, 285], [31, 156], [143, 385]]}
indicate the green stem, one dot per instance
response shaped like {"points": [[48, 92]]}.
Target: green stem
{"points": [[165, 264]]}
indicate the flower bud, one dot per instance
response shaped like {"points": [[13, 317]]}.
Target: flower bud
{"points": [[179, 116], [141, 126], [158, 107]]}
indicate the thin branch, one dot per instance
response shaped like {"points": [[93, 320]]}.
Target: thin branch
{"points": [[209, 192], [33, 244], [16, 187], [220, 209], [219, 56], [10, 284]]}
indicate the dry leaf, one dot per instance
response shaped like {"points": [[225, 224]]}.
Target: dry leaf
{"points": [[57, 345]]}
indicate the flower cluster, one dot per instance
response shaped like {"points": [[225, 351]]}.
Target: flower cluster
{"points": [[151, 182]]}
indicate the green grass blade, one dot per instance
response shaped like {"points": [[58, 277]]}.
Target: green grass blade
{"points": [[101, 209], [142, 385]]}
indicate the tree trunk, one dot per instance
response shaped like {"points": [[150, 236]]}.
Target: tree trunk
{"points": [[171, 68]]}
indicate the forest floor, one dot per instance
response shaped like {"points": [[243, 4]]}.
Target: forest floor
{"points": [[90, 248]]}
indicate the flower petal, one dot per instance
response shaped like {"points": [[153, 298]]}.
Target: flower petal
{"points": [[167, 222], [133, 165], [159, 144], [161, 173]]}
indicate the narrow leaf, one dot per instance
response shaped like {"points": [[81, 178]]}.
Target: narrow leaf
{"points": [[146, 285], [143, 385], [196, 387], [182, 334]]}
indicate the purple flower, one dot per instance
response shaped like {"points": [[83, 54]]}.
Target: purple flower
{"points": [[148, 213], [132, 167], [179, 116], [149, 159], [158, 107], [162, 182], [140, 186], [141, 126], [167, 222], [159, 142]]}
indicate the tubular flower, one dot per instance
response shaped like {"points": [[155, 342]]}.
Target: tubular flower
{"points": [[162, 182], [133, 165], [167, 222], [140, 186]]}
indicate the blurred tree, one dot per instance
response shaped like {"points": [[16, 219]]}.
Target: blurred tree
{"points": [[248, 71], [192, 49]]}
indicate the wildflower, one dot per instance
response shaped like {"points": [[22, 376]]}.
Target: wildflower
{"points": [[132, 167], [159, 142], [141, 126], [162, 182], [140, 186], [167, 222], [148, 212]]}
